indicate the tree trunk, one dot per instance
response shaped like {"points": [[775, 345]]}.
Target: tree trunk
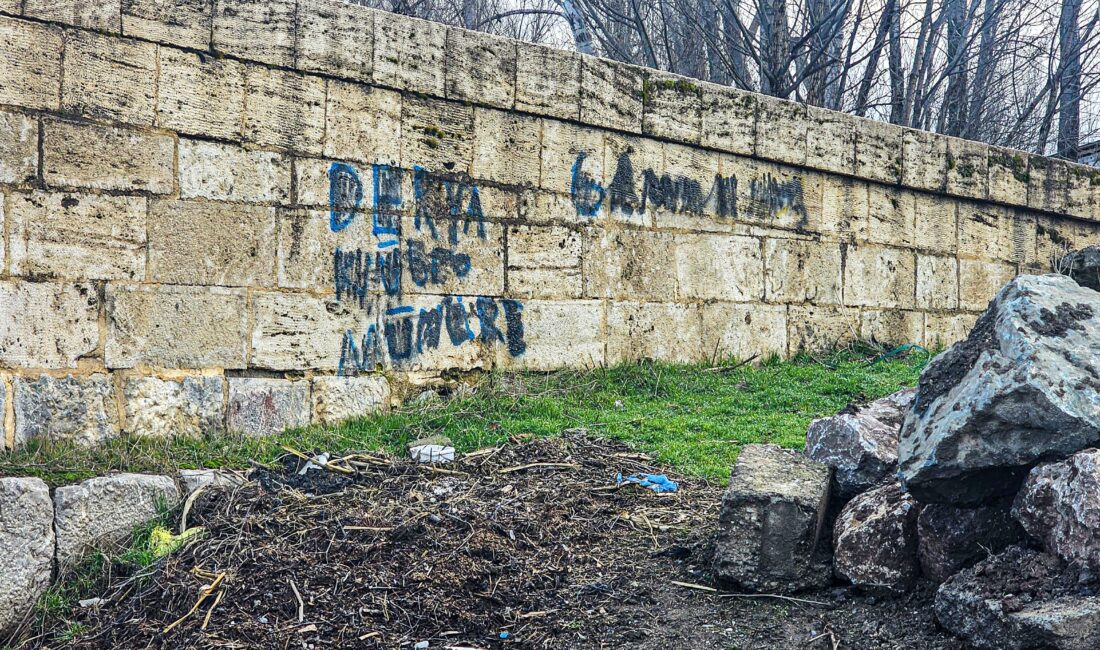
{"points": [[1069, 100]]}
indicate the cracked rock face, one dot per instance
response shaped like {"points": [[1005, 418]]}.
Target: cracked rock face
{"points": [[27, 540], [1060, 506], [951, 539], [875, 540], [1023, 387], [1084, 267]]}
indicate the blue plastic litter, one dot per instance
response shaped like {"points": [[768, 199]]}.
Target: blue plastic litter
{"points": [[655, 482], [504, 635]]}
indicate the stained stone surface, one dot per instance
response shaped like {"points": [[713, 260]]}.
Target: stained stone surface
{"points": [[27, 540]]}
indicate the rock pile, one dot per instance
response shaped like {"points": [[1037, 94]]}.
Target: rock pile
{"points": [[983, 479]]}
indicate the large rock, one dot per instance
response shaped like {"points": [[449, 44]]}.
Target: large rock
{"points": [[1060, 506], [1084, 267], [27, 543], [1021, 599], [107, 509], [1024, 386], [861, 445], [951, 539], [875, 540], [770, 521]]}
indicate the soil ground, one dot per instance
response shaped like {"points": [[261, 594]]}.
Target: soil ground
{"points": [[526, 545]]}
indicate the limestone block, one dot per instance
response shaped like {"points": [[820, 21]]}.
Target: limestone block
{"points": [[335, 38], [719, 267], [943, 330], [557, 334], [46, 324], [30, 70], [78, 236], [611, 94], [176, 326], [107, 157], [506, 147], [729, 119], [436, 333], [629, 264], [1087, 234], [362, 123], [1008, 176], [262, 407], [967, 168], [185, 23], [1024, 238], [18, 148], [892, 326], [830, 141], [658, 331], [258, 31], [101, 15], [979, 281], [936, 224], [1080, 180], [924, 160], [307, 246], [470, 263], [164, 408], [988, 232], [845, 207], [548, 82], [732, 331], [481, 68], [342, 398], [193, 242], [1048, 184], [1055, 238], [782, 129], [814, 329], [572, 162], [937, 282], [786, 197], [878, 150], [284, 109], [27, 535], [311, 181], [200, 95], [629, 161], [409, 54], [891, 216], [551, 208], [672, 107], [544, 262], [802, 271], [298, 331], [13, 7], [688, 191], [108, 77], [223, 172], [76, 409], [105, 510], [436, 134], [879, 277]]}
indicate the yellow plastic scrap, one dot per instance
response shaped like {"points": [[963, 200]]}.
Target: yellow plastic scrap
{"points": [[162, 541]]}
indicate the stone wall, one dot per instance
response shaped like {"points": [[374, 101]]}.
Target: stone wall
{"points": [[247, 213]]}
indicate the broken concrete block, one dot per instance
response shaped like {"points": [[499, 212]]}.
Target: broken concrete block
{"points": [[875, 540], [27, 540]]}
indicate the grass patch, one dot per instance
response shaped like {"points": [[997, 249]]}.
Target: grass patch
{"points": [[687, 416]]}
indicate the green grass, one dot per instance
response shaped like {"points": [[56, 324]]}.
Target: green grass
{"points": [[692, 418]]}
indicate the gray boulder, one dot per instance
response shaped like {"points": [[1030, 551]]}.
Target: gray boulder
{"points": [[106, 510], [951, 539], [875, 540], [27, 540], [1059, 505], [1021, 599], [770, 521], [1084, 267], [860, 445], [1024, 386]]}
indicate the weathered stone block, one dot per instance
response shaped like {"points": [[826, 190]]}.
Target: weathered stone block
{"points": [[107, 158], [1055, 238], [875, 540], [46, 324], [307, 246], [335, 38], [830, 141], [572, 162], [729, 119], [891, 217], [30, 70], [628, 162], [1048, 184], [1079, 182], [782, 129], [297, 331], [18, 148], [105, 510], [177, 22], [193, 242], [27, 535], [879, 277], [109, 77], [200, 95], [611, 94], [261, 407], [436, 134], [845, 204], [558, 334], [77, 409], [967, 168], [672, 107], [742, 331], [943, 330], [892, 326], [797, 270], [820, 328], [548, 82], [176, 326], [78, 236], [937, 282], [924, 160], [979, 281], [436, 333], [629, 264], [102, 15], [471, 263], [657, 331], [878, 150], [481, 68], [506, 147], [163, 408], [786, 197], [409, 54], [1008, 176], [770, 521], [687, 193], [363, 123], [936, 224], [223, 172], [987, 232], [719, 267], [544, 262], [284, 109], [258, 31], [342, 398]]}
